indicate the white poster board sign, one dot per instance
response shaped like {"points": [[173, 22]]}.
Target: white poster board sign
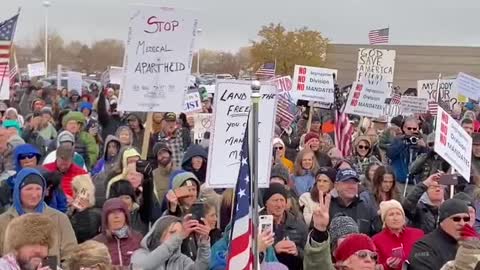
{"points": [[157, 59], [412, 104], [367, 99], [467, 85], [202, 124], [192, 103], [376, 65], [116, 75], [5, 87], [448, 94], [74, 81], [282, 83], [453, 143], [36, 69], [314, 83], [232, 107]]}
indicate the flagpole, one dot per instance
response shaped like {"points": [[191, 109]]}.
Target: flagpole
{"points": [[16, 64], [255, 102]]}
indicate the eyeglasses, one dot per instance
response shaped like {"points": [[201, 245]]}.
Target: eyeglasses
{"points": [[278, 148], [412, 128], [364, 254], [366, 147], [24, 156], [458, 219]]}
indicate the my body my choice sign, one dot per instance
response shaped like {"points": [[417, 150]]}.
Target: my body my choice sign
{"points": [[453, 143]]}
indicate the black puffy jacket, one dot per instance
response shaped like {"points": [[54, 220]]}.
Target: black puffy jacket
{"points": [[420, 214]]}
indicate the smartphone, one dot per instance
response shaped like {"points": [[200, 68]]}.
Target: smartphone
{"points": [[397, 252], [265, 223], [198, 210], [448, 179], [51, 262]]}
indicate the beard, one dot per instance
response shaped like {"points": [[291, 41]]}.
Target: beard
{"points": [[164, 162], [26, 264]]}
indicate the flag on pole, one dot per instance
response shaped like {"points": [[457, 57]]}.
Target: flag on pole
{"points": [[432, 107], [266, 70], [240, 256], [343, 133], [7, 29], [286, 108], [379, 36], [396, 99], [13, 74]]}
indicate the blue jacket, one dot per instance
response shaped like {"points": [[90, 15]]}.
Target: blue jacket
{"points": [[19, 178], [304, 183], [24, 149], [399, 155]]}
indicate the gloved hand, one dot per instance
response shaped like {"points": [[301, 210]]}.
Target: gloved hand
{"points": [[468, 233]]}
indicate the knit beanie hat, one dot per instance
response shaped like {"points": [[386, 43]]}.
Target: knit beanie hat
{"points": [[160, 226], [278, 140], [65, 136], [329, 172], [86, 105], [33, 179], [353, 243], [341, 226], [451, 207], [120, 188], [466, 198], [386, 206], [47, 110], [274, 188], [76, 116], [179, 177], [278, 170], [311, 135]]}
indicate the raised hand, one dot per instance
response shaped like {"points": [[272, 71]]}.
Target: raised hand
{"points": [[321, 215]]}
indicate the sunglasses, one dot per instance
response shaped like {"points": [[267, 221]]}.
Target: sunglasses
{"points": [[278, 148], [24, 156], [364, 254], [458, 219], [366, 147], [411, 128]]}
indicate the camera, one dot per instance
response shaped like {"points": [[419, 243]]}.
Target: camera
{"points": [[412, 140]]}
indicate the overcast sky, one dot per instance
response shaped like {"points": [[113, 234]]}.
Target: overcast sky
{"points": [[228, 24]]}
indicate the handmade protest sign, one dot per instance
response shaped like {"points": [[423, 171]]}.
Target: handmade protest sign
{"points": [[412, 104], [202, 124], [192, 103], [314, 83], [375, 65], [448, 94], [116, 75], [453, 143], [74, 80], [232, 107], [282, 83], [468, 86], [366, 99], [158, 58], [36, 69]]}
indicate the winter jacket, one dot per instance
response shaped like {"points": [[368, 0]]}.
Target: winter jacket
{"points": [[178, 144], [48, 133], [138, 136], [308, 205], [128, 153], [106, 162], [292, 142], [22, 150], [303, 183], [367, 219], [427, 164], [317, 252], [67, 179], [399, 155], [196, 150], [433, 251], [91, 147], [293, 229], [168, 255], [122, 249], [160, 185], [65, 238], [86, 224], [420, 214], [33, 137], [386, 241]]}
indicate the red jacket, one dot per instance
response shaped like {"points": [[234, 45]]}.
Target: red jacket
{"points": [[386, 241], [67, 179]]}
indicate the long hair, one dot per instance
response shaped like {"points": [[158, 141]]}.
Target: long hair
{"points": [[89, 254], [226, 208], [393, 193], [298, 169]]}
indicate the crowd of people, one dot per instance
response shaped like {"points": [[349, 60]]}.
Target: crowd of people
{"points": [[75, 192]]}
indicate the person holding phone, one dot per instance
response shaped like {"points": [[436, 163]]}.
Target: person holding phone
{"points": [[395, 242]]}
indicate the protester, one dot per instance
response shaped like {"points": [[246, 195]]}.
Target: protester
{"points": [[111, 150], [340, 227], [89, 255], [306, 167], [308, 201], [279, 174], [28, 239], [467, 125], [9, 139], [46, 129], [195, 161], [125, 135], [108, 116], [395, 242], [189, 186], [362, 154], [125, 164], [357, 251], [65, 137], [440, 246], [28, 194], [135, 124], [421, 205], [472, 212], [210, 219], [279, 154], [290, 231], [428, 163], [468, 253], [384, 186], [160, 248], [31, 133], [476, 152], [367, 179], [312, 142], [116, 233]]}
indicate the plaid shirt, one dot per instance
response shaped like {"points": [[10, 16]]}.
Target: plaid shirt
{"points": [[175, 144]]}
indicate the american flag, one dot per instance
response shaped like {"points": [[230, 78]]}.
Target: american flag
{"points": [[432, 107], [13, 73], [240, 256], [395, 100], [7, 29], [379, 36], [266, 70], [286, 109], [343, 133]]}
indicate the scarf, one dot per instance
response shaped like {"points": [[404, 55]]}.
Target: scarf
{"points": [[121, 233]]}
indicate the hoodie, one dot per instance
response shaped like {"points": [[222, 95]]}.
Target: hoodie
{"points": [[19, 178], [106, 161], [12, 142], [196, 150], [22, 150], [128, 153], [120, 249], [167, 255]]}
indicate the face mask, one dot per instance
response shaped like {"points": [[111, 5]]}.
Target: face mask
{"points": [[121, 233]]}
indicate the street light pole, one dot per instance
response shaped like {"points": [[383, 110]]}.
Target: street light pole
{"points": [[255, 102], [199, 31], [46, 4]]}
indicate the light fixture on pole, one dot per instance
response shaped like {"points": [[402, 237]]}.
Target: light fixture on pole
{"points": [[199, 31], [254, 125], [46, 4]]}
